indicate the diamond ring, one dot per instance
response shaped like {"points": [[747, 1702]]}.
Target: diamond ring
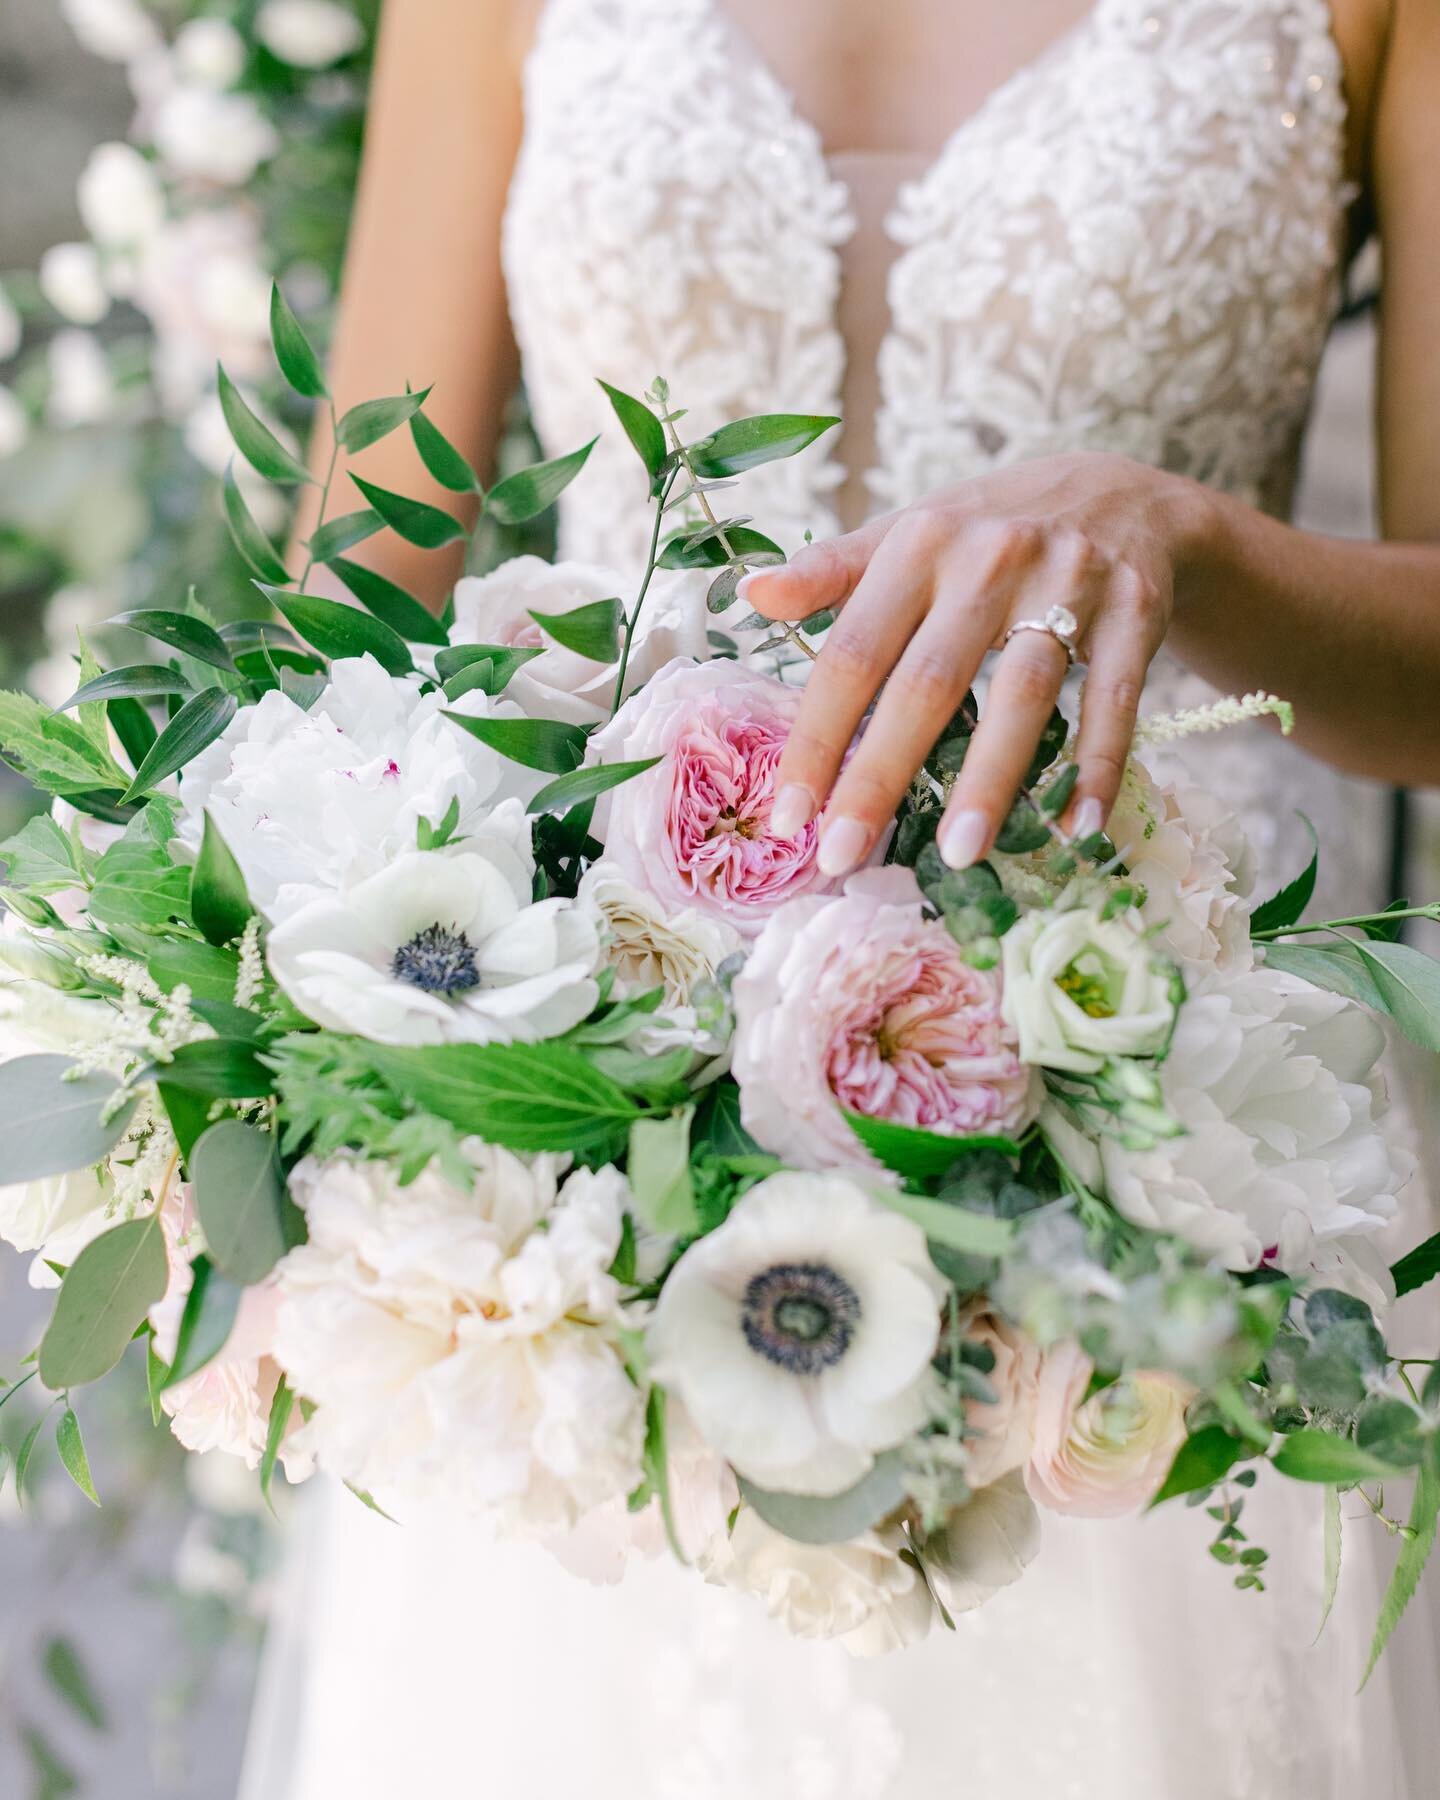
{"points": [[1059, 623]]}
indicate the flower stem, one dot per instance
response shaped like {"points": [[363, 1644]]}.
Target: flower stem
{"points": [[634, 618], [1269, 935], [328, 483]]}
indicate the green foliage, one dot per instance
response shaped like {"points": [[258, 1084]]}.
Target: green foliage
{"points": [[1408, 983], [240, 1195], [198, 723], [747, 443], [441, 457], [1413, 1270], [917, 1154], [66, 1672], [537, 743], [53, 751], [137, 883], [71, 1446], [659, 1169], [703, 550], [371, 420], [586, 784], [179, 631], [592, 630], [643, 429], [256, 442], [106, 1293], [258, 553], [205, 1323], [1288, 906], [343, 533], [389, 602], [839, 1518], [41, 858], [1311, 1455], [416, 521], [293, 351], [337, 630], [54, 1124], [953, 1227], [1205, 1457], [219, 900], [279, 1422], [1337, 967], [138, 681], [221, 1068], [527, 493], [1415, 1548]]}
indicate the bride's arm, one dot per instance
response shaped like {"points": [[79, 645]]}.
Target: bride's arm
{"points": [[1349, 632], [423, 298]]}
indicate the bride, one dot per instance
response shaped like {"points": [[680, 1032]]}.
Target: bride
{"points": [[1066, 268]]}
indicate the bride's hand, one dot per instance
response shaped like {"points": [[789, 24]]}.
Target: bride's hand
{"points": [[925, 592]]}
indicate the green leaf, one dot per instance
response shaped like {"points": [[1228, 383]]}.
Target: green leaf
{"points": [[1205, 1457], [528, 492], [1057, 796], [64, 1669], [953, 1227], [71, 1446], [504, 660], [1310, 1455], [659, 1168], [1415, 1551], [179, 631], [592, 630], [839, 1518], [40, 858], [208, 971], [219, 900], [1288, 906], [441, 457], [1417, 1266], [205, 1323], [23, 1455], [198, 723], [249, 1219], [372, 420], [1336, 967], [643, 429], [524, 1096], [255, 548], [255, 441], [222, 1068], [53, 1125], [655, 1461], [391, 604], [684, 551], [749, 442], [1408, 983], [414, 520], [339, 535], [51, 1779], [293, 350], [337, 630], [718, 1126], [537, 743], [280, 1409], [155, 1373], [137, 883], [584, 784], [1332, 1559], [138, 681], [105, 1295], [916, 1154], [188, 1113], [53, 751]]}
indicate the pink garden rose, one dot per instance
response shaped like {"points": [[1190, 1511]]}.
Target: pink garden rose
{"points": [[862, 1004], [695, 830], [1107, 1456]]}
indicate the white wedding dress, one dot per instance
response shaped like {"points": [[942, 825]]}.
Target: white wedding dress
{"points": [[1133, 246]]}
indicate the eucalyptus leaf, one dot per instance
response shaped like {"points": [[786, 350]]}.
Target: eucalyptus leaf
{"points": [[579, 785], [337, 630], [1312, 1455], [371, 420], [240, 1195], [592, 630], [528, 492], [537, 743], [54, 1125], [219, 900], [179, 631], [71, 1445], [1408, 983], [402, 612], [1338, 967], [255, 441], [747, 443], [293, 351], [255, 548], [683, 552], [840, 1517], [206, 1322], [199, 722], [106, 1293], [419, 523]]}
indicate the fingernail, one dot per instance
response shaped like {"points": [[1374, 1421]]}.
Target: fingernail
{"points": [[794, 808], [842, 843], [962, 838], [746, 582], [1089, 817]]}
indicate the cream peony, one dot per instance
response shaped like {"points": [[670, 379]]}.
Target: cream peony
{"points": [[1107, 1456], [460, 1344], [327, 797], [443, 947], [799, 1334], [1080, 989]]}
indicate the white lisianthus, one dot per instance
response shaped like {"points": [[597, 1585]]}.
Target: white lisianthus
{"points": [[308, 34], [71, 281], [459, 1344], [14, 424], [649, 948], [327, 797], [1107, 1456], [82, 389], [11, 330], [209, 51], [985, 1545], [799, 1334], [212, 137], [120, 197], [860, 1592], [1282, 1158], [443, 947], [560, 683], [1080, 989], [117, 30]]}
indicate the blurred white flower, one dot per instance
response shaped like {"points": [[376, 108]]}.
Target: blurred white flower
{"points": [[200, 281], [116, 30], [82, 391], [11, 329], [209, 51], [14, 424], [310, 34], [985, 1545], [443, 947], [459, 1342], [212, 137], [70, 279], [799, 1334], [119, 195]]}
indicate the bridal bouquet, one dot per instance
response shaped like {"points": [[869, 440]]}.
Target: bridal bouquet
{"points": [[417, 1036]]}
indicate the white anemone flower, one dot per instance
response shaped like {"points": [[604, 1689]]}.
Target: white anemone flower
{"points": [[799, 1334], [442, 947]]}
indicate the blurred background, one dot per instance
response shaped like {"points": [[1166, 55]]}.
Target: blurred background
{"points": [[164, 159]]}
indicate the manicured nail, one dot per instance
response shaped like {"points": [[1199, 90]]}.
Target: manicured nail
{"points": [[746, 582], [962, 838], [1088, 818], [794, 808], [842, 843]]}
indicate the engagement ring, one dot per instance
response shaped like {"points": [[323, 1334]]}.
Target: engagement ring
{"points": [[1059, 623]]}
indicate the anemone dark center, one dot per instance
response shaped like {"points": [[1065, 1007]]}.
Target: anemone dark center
{"points": [[800, 1316], [437, 960]]}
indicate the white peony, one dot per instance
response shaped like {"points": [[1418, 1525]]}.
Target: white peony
{"points": [[560, 683], [1283, 1160], [117, 30], [443, 947], [82, 390], [327, 797], [213, 137], [209, 51], [70, 279], [14, 424], [649, 948], [1080, 989], [460, 1344], [120, 197], [11, 329], [308, 34], [799, 1334]]}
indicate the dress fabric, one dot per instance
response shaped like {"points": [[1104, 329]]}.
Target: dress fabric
{"points": [[1133, 246]]}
